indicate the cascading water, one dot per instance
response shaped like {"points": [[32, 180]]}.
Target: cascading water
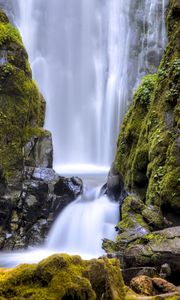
{"points": [[92, 218], [79, 229], [87, 58]]}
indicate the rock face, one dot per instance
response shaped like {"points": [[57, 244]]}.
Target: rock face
{"points": [[64, 277]]}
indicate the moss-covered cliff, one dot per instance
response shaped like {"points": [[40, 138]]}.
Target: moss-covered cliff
{"points": [[148, 148], [21, 105], [148, 163]]}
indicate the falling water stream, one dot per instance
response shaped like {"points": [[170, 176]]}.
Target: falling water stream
{"points": [[87, 57]]}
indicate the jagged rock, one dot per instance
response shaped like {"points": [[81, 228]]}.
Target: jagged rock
{"points": [[45, 174], [27, 214], [155, 249], [39, 151], [72, 186]]}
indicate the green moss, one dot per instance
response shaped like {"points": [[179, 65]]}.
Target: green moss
{"points": [[22, 109], [144, 91], [8, 33], [131, 158], [148, 145], [64, 277]]}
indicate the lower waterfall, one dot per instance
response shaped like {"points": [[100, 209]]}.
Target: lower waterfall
{"points": [[85, 223], [79, 229]]}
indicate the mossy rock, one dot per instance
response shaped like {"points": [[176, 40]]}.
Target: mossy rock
{"points": [[64, 277], [148, 146], [22, 107]]}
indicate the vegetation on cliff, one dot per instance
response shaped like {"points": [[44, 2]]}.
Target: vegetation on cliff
{"points": [[149, 145], [21, 105]]}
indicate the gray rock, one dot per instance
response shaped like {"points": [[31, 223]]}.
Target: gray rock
{"points": [[155, 249], [45, 174], [43, 151], [31, 200], [38, 151]]}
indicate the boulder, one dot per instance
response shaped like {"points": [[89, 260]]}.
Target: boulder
{"points": [[72, 186], [145, 285], [142, 285]]}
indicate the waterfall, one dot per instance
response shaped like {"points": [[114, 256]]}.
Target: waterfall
{"points": [[92, 217], [87, 57]]}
